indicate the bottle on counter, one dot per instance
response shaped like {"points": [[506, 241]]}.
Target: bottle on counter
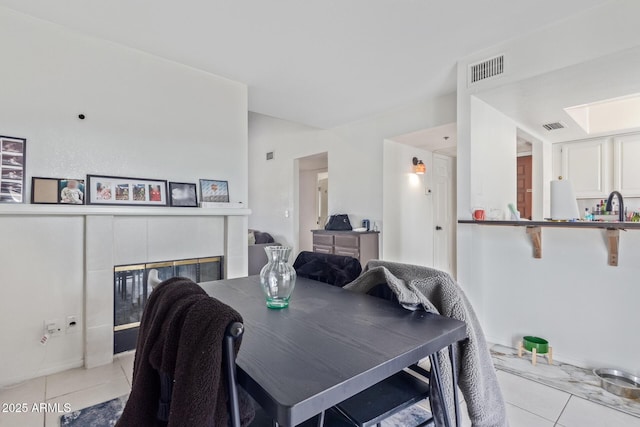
{"points": [[597, 210], [587, 215], [603, 207]]}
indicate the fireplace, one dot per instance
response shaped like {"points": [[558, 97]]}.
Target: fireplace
{"points": [[131, 291]]}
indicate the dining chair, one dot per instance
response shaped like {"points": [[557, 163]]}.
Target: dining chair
{"points": [[336, 270]]}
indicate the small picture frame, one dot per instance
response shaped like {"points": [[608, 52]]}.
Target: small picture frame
{"points": [[183, 194], [63, 191], [12, 169], [116, 190], [212, 190]]}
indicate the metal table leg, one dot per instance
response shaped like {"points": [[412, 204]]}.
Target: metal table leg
{"points": [[456, 406], [435, 370]]}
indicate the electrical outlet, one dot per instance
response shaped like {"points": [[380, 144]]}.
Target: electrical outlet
{"points": [[72, 324], [52, 327]]}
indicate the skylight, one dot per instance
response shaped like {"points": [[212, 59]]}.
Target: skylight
{"points": [[615, 114]]}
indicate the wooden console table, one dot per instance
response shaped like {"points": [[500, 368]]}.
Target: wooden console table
{"points": [[360, 245]]}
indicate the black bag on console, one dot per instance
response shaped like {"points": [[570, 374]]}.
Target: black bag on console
{"points": [[338, 222]]}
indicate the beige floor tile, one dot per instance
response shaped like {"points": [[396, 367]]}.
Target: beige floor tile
{"points": [[88, 397], [580, 413], [464, 416], [29, 419], [24, 395], [533, 397], [126, 362], [81, 378], [520, 418], [30, 391]]}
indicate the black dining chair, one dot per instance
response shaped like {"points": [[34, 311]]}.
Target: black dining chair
{"points": [[336, 270]]}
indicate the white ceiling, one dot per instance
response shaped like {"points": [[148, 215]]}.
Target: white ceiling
{"points": [[322, 62], [440, 139], [542, 99]]}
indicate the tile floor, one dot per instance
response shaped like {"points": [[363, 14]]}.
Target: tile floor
{"points": [[529, 404]]}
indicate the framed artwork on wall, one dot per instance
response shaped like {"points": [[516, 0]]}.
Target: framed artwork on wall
{"points": [[65, 191], [183, 194], [214, 191], [12, 169], [115, 190]]}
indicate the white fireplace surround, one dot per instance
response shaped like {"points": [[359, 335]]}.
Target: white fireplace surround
{"points": [[115, 236]]}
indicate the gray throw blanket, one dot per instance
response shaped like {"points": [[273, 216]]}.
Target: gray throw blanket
{"points": [[435, 291]]}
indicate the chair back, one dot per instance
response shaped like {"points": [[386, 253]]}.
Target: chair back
{"points": [[234, 332], [336, 270]]}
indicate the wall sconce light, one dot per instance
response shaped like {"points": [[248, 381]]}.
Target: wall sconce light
{"points": [[419, 168]]}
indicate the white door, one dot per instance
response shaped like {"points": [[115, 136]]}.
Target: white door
{"points": [[443, 208]]}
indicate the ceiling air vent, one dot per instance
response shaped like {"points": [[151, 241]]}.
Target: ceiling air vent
{"points": [[553, 126], [486, 69]]}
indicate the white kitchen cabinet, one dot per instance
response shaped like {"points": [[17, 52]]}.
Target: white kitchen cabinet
{"points": [[588, 165], [626, 165]]}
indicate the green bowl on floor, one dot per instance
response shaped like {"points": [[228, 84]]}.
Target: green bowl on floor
{"points": [[540, 344]]}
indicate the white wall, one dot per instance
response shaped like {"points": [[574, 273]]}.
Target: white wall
{"points": [[407, 210], [494, 264], [355, 163], [571, 296], [145, 117], [493, 158]]}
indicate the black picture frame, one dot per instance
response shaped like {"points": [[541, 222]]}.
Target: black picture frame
{"points": [[51, 191], [189, 191], [124, 191], [13, 161], [214, 191]]}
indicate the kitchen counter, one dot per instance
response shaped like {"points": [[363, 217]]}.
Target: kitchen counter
{"points": [[561, 224], [534, 230]]}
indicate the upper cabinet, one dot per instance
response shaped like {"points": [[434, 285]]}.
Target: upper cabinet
{"points": [[587, 165], [626, 161]]}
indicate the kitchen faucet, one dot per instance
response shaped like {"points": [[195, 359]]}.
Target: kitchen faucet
{"points": [[620, 205]]}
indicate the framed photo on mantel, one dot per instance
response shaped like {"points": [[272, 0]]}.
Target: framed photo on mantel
{"points": [[115, 190], [183, 194], [12, 164], [213, 190], [60, 191]]}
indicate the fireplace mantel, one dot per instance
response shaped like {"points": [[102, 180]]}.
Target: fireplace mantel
{"points": [[84, 210]]}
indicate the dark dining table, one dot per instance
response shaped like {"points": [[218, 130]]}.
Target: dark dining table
{"points": [[327, 346]]}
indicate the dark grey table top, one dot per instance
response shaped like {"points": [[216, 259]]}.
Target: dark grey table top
{"points": [[329, 345]]}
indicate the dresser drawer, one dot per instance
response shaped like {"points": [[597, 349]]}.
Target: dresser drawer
{"points": [[323, 249], [347, 241], [323, 239], [352, 252]]}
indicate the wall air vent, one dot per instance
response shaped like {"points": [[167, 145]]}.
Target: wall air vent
{"points": [[486, 69], [553, 126]]}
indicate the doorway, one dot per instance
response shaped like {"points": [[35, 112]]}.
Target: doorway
{"points": [[524, 178], [524, 188], [419, 210], [313, 197]]}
